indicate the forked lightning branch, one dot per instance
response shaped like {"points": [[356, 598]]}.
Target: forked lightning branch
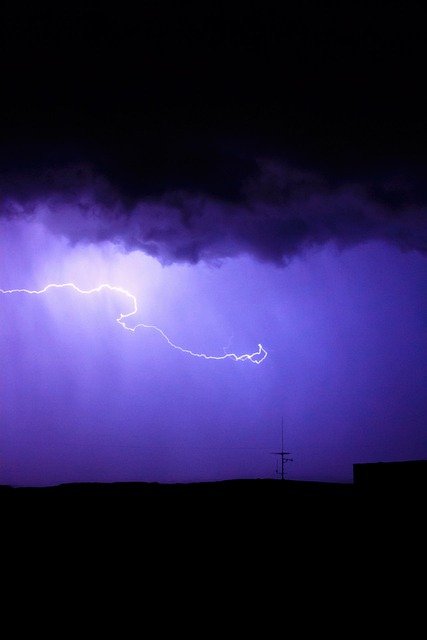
{"points": [[124, 320]]}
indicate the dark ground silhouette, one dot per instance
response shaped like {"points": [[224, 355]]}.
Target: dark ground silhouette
{"points": [[275, 503], [270, 540]]}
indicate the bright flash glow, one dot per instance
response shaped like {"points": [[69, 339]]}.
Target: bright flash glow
{"points": [[257, 357]]}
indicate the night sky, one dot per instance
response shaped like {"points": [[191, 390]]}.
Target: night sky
{"points": [[234, 196]]}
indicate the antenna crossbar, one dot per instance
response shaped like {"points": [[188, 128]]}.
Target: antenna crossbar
{"points": [[284, 459]]}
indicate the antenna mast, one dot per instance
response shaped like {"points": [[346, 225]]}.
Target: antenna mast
{"points": [[283, 455]]}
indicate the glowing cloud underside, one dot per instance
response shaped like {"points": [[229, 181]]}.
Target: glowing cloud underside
{"points": [[123, 319]]}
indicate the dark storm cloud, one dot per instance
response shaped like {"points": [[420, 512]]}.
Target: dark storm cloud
{"points": [[214, 133], [282, 211]]}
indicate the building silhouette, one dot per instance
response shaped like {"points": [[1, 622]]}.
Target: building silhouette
{"points": [[391, 478]]}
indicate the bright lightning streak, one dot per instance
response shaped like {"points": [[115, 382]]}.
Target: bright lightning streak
{"points": [[256, 357]]}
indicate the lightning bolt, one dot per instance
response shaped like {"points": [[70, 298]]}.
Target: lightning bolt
{"points": [[257, 357]]}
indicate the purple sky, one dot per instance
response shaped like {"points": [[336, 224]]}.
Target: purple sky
{"points": [[83, 399], [236, 214]]}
